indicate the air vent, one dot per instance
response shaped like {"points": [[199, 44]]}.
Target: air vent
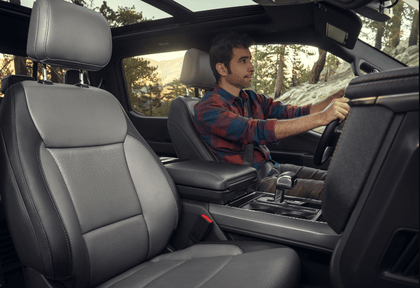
{"points": [[401, 258]]}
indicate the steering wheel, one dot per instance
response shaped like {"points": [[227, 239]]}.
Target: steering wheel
{"points": [[323, 150]]}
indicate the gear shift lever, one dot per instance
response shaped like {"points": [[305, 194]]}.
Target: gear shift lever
{"points": [[286, 180]]}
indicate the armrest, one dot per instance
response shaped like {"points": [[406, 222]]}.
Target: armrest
{"points": [[216, 182]]}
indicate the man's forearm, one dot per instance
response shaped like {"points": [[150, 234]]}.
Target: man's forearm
{"points": [[318, 107], [290, 127], [337, 109]]}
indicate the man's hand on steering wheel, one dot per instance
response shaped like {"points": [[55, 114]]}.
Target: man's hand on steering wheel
{"points": [[337, 109], [333, 114]]}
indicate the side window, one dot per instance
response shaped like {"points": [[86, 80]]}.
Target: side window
{"points": [[10, 64], [18, 65], [298, 74], [153, 82]]}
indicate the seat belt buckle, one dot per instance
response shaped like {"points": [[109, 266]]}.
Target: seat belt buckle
{"points": [[201, 228]]}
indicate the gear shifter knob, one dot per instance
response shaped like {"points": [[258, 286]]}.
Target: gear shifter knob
{"points": [[286, 180]]}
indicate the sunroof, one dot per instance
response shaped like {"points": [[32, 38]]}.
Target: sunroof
{"points": [[137, 6], [127, 12], [196, 6]]}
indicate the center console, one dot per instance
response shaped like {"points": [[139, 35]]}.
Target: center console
{"points": [[295, 207], [227, 193]]}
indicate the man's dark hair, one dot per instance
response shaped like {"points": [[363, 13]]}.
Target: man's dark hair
{"points": [[222, 49]]}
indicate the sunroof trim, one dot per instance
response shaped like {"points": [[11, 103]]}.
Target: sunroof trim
{"points": [[171, 7], [201, 6]]}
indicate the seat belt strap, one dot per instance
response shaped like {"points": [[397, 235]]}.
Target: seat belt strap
{"points": [[249, 148]]}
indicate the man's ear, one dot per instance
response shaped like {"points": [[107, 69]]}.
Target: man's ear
{"points": [[221, 68]]}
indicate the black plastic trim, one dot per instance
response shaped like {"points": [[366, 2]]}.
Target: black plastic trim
{"points": [[313, 235]]}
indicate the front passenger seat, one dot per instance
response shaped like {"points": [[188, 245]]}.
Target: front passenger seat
{"points": [[87, 201]]}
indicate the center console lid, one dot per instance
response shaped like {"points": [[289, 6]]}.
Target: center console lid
{"points": [[211, 181]]}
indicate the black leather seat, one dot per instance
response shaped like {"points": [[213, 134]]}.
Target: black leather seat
{"points": [[196, 72], [87, 201], [9, 80]]}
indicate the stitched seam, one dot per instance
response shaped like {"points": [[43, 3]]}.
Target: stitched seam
{"points": [[47, 24], [338, 143], [134, 272], [381, 82], [386, 77], [227, 244], [142, 213], [181, 263], [36, 30], [68, 243], [21, 202], [216, 272], [206, 172], [87, 232], [163, 172], [31, 202]]}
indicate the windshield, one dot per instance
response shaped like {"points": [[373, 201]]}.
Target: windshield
{"points": [[398, 36]]}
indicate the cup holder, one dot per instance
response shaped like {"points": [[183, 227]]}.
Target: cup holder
{"points": [[283, 210]]}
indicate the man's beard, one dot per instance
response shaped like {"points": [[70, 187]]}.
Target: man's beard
{"points": [[240, 84]]}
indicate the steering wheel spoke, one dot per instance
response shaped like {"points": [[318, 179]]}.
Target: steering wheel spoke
{"points": [[323, 150]]}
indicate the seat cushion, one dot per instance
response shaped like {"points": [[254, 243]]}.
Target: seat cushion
{"points": [[216, 265]]}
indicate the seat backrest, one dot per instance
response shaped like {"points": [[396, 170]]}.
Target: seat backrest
{"points": [[196, 73], [77, 180], [9, 80], [187, 142]]}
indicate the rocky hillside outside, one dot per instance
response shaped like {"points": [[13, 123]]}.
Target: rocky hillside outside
{"points": [[312, 93], [168, 70]]}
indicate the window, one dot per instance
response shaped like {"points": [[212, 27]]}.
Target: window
{"points": [[153, 82], [398, 36], [117, 12], [287, 73], [10, 64], [18, 65]]}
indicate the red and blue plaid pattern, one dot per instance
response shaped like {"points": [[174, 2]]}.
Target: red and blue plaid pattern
{"points": [[222, 120]]}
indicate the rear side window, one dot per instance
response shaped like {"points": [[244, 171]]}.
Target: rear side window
{"points": [[153, 82], [11, 65], [18, 65]]}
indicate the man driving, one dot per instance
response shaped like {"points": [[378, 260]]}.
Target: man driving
{"points": [[223, 120]]}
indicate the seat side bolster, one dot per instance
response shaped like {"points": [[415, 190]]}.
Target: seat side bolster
{"points": [[153, 191]]}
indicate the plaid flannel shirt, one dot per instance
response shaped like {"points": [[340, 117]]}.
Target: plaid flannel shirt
{"points": [[223, 122]]}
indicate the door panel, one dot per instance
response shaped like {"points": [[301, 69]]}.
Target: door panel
{"points": [[155, 131], [298, 149]]}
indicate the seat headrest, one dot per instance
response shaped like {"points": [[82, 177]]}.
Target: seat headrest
{"points": [[68, 35], [196, 71], [71, 76], [9, 80]]}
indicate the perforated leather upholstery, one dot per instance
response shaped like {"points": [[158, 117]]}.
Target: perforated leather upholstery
{"points": [[89, 204]]}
